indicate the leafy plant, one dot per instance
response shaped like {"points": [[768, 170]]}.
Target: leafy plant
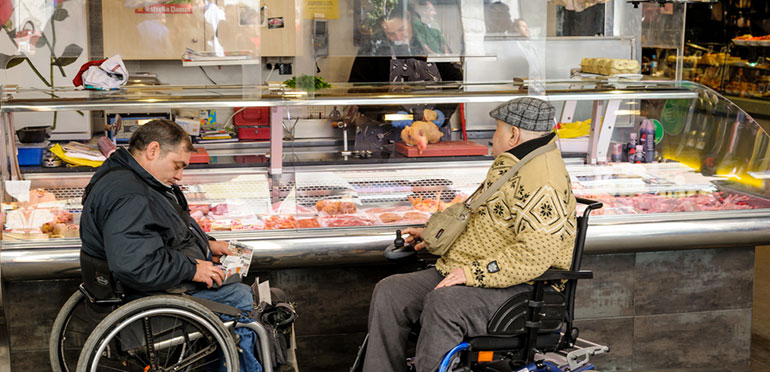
{"points": [[27, 34], [376, 11], [307, 82]]}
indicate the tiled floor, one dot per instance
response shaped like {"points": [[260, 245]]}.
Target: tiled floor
{"points": [[760, 324]]}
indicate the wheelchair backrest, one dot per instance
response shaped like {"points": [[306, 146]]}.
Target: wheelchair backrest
{"points": [[99, 286], [577, 254], [582, 227]]}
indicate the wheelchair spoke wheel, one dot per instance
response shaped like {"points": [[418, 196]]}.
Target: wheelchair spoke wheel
{"points": [[159, 333], [75, 321]]}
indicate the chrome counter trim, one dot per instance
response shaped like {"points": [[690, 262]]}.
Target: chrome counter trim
{"points": [[667, 236], [327, 247], [152, 103], [77, 175]]}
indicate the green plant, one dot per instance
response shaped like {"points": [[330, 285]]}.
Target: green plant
{"points": [[376, 12], [307, 82]]}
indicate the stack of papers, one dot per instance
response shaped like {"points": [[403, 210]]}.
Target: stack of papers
{"points": [[198, 58], [194, 55], [81, 151], [216, 136]]}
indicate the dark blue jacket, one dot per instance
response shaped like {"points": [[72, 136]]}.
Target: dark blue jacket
{"points": [[141, 226]]}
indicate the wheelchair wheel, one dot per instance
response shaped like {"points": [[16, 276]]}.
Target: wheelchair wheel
{"points": [[75, 321], [159, 333]]}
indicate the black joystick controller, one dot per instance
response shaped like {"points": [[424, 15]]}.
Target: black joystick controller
{"points": [[399, 249], [398, 242]]}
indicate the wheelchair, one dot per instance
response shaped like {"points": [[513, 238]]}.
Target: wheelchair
{"points": [[99, 329], [531, 331]]}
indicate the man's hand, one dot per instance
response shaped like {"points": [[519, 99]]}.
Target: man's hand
{"points": [[455, 277], [218, 249], [414, 237], [206, 272]]}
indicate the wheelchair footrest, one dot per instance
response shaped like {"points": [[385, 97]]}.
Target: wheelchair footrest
{"points": [[579, 357]]}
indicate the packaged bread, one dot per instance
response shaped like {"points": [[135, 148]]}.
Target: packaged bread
{"points": [[609, 66]]}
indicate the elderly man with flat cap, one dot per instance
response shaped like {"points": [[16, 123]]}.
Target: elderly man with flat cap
{"points": [[525, 227]]}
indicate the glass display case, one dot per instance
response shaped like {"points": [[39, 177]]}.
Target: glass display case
{"points": [[705, 161]]}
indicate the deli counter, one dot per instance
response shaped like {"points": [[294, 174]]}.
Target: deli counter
{"points": [[704, 185], [672, 249]]}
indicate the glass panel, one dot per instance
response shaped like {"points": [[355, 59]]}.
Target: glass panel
{"points": [[708, 155], [662, 36]]}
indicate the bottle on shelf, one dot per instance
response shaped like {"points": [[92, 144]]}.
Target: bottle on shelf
{"points": [[618, 154], [647, 135], [631, 147], [639, 154], [631, 154]]}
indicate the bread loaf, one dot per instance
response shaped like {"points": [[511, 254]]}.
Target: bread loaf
{"points": [[609, 66]]}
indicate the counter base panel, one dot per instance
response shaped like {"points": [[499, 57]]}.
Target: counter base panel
{"points": [[630, 305]]}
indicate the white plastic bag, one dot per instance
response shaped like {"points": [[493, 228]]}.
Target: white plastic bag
{"points": [[111, 74]]}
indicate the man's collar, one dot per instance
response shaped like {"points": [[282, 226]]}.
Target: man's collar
{"points": [[525, 148], [124, 156]]}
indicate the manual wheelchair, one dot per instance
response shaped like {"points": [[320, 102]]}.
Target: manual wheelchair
{"points": [[531, 331], [100, 329]]}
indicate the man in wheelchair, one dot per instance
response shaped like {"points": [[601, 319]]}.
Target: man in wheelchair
{"points": [[136, 218], [526, 227]]}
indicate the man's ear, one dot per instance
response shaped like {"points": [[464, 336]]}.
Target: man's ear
{"points": [[152, 151], [515, 136]]}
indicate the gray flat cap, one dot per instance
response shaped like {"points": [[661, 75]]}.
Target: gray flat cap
{"points": [[526, 113]]}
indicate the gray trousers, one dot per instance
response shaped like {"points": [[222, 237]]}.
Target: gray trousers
{"points": [[446, 315]]}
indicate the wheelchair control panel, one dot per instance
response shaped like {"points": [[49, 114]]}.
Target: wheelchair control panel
{"points": [[399, 250]]}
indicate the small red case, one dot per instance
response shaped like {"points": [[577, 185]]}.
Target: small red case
{"points": [[251, 116]]}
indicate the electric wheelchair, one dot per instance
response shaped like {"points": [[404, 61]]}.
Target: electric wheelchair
{"points": [[531, 331], [100, 329]]}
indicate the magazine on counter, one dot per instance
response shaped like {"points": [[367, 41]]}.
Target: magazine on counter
{"points": [[236, 265]]}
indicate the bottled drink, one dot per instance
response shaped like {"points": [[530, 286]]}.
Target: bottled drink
{"points": [[631, 147], [647, 133], [617, 153], [639, 154]]}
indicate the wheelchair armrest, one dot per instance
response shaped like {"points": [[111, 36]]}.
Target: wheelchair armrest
{"points": [[556, 274]]}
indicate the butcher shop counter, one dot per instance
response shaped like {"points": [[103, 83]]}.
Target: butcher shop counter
{"points": [[702, 185], [333, 215], [673, 249]]}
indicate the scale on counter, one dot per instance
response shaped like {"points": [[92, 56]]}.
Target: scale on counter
{"points": [[123, 124]]}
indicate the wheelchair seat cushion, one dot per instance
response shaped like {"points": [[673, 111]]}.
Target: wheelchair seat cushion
{"points": [[492, 343]]}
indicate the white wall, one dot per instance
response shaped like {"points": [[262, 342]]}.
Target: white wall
{"points": [[71, 30]]}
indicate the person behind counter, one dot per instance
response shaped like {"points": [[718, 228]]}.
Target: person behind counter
{"points": [[136, 218], [426, 29], [395, 54], [523, 229], [497, 20], [395, 46]]}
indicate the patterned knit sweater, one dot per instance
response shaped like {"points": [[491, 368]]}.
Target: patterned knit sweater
{"points": [[523, 229]]}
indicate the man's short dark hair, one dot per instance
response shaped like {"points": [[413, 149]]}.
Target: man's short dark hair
{"points": [[166, 132]]}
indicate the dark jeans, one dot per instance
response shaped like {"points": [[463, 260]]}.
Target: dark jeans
{"points": [[237, 295], [446, 315]]}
